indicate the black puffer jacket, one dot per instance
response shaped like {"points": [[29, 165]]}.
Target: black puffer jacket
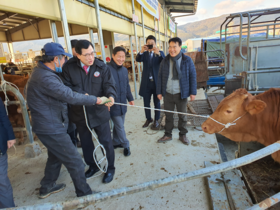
{"points": [[47, 98], [98, 82]]}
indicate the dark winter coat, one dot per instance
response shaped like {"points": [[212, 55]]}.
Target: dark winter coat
{"points": [[124, 94], [47, 98], [98, 82], [188, 77], [146, 65], [6, 129]]}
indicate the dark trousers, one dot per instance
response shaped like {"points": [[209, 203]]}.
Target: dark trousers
{"points": [[73, 136], [181, 104], [6, 190], [62, 151], [103, 132], [151, 90]]}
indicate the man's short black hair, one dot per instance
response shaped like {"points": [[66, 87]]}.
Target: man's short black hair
{"points": [[117, 49], [176, 39], [151, 37], [73, 43], [82, 44]]}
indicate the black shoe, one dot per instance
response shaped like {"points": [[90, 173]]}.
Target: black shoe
{"points": [[126, 151], [155, 125], [147, 123], [118, 146], [55, 189], [108, 177], [90, 172]]}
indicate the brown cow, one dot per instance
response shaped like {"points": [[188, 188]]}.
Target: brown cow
{"points": [[260, 118], [14, 111]]}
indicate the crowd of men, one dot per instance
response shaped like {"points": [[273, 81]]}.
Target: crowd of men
{"points": [[59, 88]]}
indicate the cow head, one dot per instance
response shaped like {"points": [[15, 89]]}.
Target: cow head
{"points": [[232, 107]]}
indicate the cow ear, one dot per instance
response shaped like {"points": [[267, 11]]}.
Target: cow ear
{"points": [[255, 107]]}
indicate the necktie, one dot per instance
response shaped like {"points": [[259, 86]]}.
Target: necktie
{"points": [[151, 56], [85, 68]]}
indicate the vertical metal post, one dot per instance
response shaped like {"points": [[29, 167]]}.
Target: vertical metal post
{"points": [[113, 39], [65, 25], [143, 24], [100, 34], [144, 38], [165, 29], [133, 67], [1, 50], [53, 31], [267, 32], [155, 27], [136, 43], [91, 38], [158, 33], [176, 30], [11, 51]]}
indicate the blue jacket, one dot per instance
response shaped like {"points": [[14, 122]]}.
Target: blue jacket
{"points": [[124, 94], [6, 129], [187, 81], [47, 99], [145, 74]]}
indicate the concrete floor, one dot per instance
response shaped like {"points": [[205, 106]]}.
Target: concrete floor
{"points": [[149, 161]]}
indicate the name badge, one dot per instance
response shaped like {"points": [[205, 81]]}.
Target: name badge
{"points": [[96, 74]]}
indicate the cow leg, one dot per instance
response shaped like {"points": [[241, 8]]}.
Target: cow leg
{"points": [[276, 156]]}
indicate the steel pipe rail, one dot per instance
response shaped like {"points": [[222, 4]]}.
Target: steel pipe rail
{"points": [[263, 71], [102, 196], [215, 59], [240, 35], [266, 203], [246, 31], [275, 25]]}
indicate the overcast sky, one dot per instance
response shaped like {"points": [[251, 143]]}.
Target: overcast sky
{"points": [[214, 8]]}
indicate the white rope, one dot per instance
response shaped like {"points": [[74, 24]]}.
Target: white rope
{"points": [[228, 124], [4, 83], [104, 158], [162, 110], [195, 115]]}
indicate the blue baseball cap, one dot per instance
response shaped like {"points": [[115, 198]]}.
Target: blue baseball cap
{"points": [[55, 49]]}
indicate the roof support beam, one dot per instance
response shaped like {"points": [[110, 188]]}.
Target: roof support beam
{"points": [[7, 15], [9, 25], [11, 22], [178, 4], [181, 11], [20, 27]]}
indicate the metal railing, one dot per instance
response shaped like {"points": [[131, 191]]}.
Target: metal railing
{"points": [[224, 58], [22, 103], [102, 196]]}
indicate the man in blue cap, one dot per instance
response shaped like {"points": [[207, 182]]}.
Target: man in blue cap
{"points": [[47, 98]]}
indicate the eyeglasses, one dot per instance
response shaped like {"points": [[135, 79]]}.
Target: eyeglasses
{"points": [[88, 55]]}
